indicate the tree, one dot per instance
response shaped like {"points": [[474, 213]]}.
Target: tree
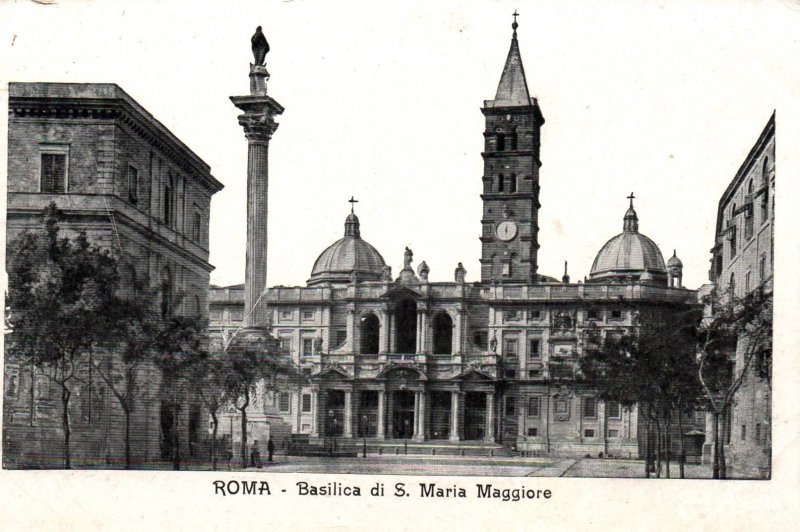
{"points": [[179, 341], [654, 367], [734, 324], [208, 376], [256, 359], [61, 296]]}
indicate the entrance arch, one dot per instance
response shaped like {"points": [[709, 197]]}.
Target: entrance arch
{"points": [[442, 334], [406, 326], [370, 334]]}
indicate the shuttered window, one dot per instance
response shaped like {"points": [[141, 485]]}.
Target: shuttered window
{"points": [[54, 173]]}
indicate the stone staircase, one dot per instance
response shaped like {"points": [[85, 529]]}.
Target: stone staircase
{"points": [[304, 446]]}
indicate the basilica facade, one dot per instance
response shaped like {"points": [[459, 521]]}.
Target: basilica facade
{"points": [[489, 361]]}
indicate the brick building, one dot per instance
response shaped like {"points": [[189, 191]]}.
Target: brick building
{"points": [[486, 363], [742, 261], [122, 177]]}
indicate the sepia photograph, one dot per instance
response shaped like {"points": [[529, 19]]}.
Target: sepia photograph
{"points": [[484, 240]]}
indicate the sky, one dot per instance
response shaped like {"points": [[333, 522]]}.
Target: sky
{"points": [[383, 103]]}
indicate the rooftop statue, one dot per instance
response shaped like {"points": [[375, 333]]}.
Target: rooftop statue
{"points": [[260, 46]]}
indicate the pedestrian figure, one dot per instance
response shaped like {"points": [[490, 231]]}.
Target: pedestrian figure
{"points": [[255, 455], [270, 449]]}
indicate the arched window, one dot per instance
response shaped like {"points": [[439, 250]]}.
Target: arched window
{"points": [[501, 183], [406, 326], [501, 141], [370, 334], [512, 184], [442, 334]]}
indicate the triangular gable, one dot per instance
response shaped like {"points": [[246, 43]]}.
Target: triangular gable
{"points": [[393, 366], [333, 370], [473, 374], [399, 292]]}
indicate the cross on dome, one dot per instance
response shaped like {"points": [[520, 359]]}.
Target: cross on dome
{"points": [[352, 202]]}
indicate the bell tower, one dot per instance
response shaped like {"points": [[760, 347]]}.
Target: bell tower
{"points": [[509, 237]]}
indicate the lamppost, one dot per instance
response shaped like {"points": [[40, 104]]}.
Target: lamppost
{"points": [[332, 423], [405, 434], [364, 432]]}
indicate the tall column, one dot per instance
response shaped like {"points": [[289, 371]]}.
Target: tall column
{"points": [[348, 414], [489, 435], [454, 406], [392, 333], [351, 329], [259, 124], [314, 409], [383, 337], [421, 416], [381, 414]]}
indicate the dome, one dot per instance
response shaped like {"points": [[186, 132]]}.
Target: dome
{"points": [[674, 261], [629, 256], [348, 256]]}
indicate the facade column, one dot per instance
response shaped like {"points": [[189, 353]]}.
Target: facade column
{"points": [[392, 334], [454, 407], [420, 422], [314, 409], [489, 434], [457, 347], [381, 414], [423, 333], [348, 414], [259, 124], [383, 336], [351, 329]]}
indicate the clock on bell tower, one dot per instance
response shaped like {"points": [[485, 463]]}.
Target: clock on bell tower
{"points": [[509, 237]]}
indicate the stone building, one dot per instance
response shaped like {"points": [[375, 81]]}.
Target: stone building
{"points": [[742, 261], [484, 363], [118, 174]]}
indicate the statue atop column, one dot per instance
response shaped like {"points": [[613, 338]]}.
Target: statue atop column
{"points": [[260, 46]]}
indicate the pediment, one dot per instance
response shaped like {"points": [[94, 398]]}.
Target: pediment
{"points": [[401, 292], [333, 372], [473, 374]]}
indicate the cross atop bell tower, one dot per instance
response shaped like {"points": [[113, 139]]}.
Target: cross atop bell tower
{"points": [[510, 230]]}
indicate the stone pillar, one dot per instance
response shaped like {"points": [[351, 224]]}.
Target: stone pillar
{"points": [[259, 124], [489, 435], [454, 406], [348, 414], [383, 336], [351, 329], [423, 332], [457, 326], [392, 334], [420, 347], [420, 418], [381, 408], [314, 409]]}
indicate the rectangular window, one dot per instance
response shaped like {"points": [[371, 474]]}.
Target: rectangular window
{"points": [[534, 315], [616, 314], [308, 315], [286, 315], [133, 185], [42, 386], [593, 314], [613, 433], [589, 407], [197, 224], [612, 409], [588, 433], [533, 431], [748, 221], [283, 402], [534, 404], [534, 351], [512, 315], [511, 374], [732, 241], [169, 206], [286, 344], [510, 347], [561, 406], [511, 406], [215, 314], [53, 176], [11, 387], [306, 402], [308, 347], [534, 374], [744, 432], [236, 315]]}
